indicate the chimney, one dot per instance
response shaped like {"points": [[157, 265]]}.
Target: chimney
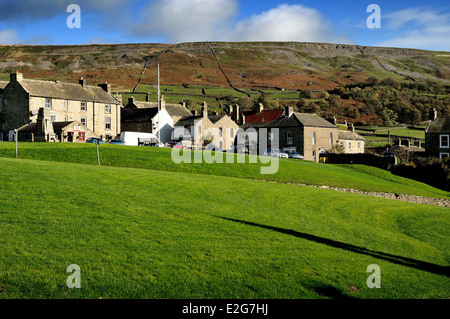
{"points": [[131, 100], [194, 113], [243, 119], [82, 82], [261, 107], [351, 128], [236, 114], [16, 77], [183, 103], [163, 102], [288, 110], [106, 87], [433, 114], [231, 109], [147, 97], [205, 109]]}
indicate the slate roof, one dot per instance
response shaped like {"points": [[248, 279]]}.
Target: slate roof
{"points": [[301, 119], [190, 120], [138, 115], [174, 110], [440, 125], [67, 91], [57, 126], [347, 135]]}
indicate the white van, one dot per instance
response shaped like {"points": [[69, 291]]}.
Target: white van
{"points": [[138, 138]]}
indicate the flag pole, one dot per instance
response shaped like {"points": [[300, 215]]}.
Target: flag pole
{"points": [[159, 109]]}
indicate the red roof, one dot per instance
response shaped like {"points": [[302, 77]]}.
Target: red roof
{"points": [[265, 116]]}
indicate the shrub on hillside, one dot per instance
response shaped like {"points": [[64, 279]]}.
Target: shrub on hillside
{"points": [[432, 171]]}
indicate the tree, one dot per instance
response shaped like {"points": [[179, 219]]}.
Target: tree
{"points": [[388, 117], [306, 94]]}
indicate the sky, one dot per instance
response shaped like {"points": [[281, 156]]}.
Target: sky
{"points": [[406, 24]]}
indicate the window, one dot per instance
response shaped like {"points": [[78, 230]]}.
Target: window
{"points": [[48, 104], [83, 106], [349, 145], [314, 156], [83, 121], [444, 141], [359, 145], [66, 105], [138, 127], [108, 109], [444, 155], [66, 119], [107, 123], [231, 132], [54, 117], [290, 138], [220, 132], [314, 138], [331, 139]]}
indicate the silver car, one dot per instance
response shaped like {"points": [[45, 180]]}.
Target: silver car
{"points": [[275, 152], [294, 154]]}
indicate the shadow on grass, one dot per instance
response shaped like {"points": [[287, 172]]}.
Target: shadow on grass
{"points": [[399, 260]]}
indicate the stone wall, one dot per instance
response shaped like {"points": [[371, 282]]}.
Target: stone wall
{"points": [[383, 162]]}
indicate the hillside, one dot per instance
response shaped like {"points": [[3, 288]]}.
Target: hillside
{"points": [[367, 179], [287, 65], [354, 83], [213, 237]]}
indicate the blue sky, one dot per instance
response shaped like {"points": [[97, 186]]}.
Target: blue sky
{"points": [[411, 24]]}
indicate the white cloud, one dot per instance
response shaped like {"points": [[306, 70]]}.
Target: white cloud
{"points": [[8, 36], [183, 21], [418, 28], [283, 23]]}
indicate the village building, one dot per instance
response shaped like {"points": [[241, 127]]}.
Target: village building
{"points": [[437, 137], [144, 116], [308, 134], [93, 107], [218, 130], [351, 142]]}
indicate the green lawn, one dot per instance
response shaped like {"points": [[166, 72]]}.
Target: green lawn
{"points": [[160, 159], [139, 233]]}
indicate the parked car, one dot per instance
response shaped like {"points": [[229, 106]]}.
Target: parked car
{"points": [[212, 147], [294, 154], [138, 138], [275, 152], [116, 142], [95, 140]]}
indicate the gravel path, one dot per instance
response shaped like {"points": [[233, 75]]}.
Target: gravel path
{"points": [[401, 197]]}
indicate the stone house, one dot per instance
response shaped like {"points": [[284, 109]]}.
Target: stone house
{"points": [[437, 138], [309, 134], [3, 85], [143, 117], [351, 142], [94, 107], [47, 131], [220, 130]]}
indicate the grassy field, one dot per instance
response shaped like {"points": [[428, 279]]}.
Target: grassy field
{"points": [[292, 171], [139, 233]]}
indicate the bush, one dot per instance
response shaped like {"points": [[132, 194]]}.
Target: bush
{"points": [[432, 171]]}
